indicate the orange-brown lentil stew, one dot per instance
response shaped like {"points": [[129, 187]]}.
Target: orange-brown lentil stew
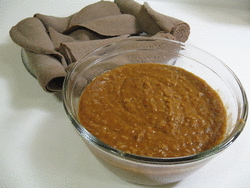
{"points": [[153, 110]]}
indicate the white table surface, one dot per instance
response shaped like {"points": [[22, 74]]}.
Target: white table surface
{"points": [[39, 147]]}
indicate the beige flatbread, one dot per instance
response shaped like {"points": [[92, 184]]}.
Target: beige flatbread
{"points": [[74, 51], [145, 21], [179, 29], [48, 71], [111, 25], [94, 11], [60, 24], [54, 44], [31, 34]]}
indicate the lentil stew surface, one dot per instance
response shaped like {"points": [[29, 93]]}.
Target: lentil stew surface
{"points": [[153, 110]]}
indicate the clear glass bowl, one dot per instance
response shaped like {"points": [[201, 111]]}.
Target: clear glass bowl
{"points": [[148, 170]]}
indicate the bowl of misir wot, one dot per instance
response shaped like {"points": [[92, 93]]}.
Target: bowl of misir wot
{"points": [[154, 110]]}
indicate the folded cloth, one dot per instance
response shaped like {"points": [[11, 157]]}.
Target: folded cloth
{"points": [[54, 44]]}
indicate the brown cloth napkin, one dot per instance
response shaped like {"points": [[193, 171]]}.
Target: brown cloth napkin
{"points": [[52, 44]]}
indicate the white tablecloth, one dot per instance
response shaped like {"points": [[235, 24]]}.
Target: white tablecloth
{"points": [[40, 148]]}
